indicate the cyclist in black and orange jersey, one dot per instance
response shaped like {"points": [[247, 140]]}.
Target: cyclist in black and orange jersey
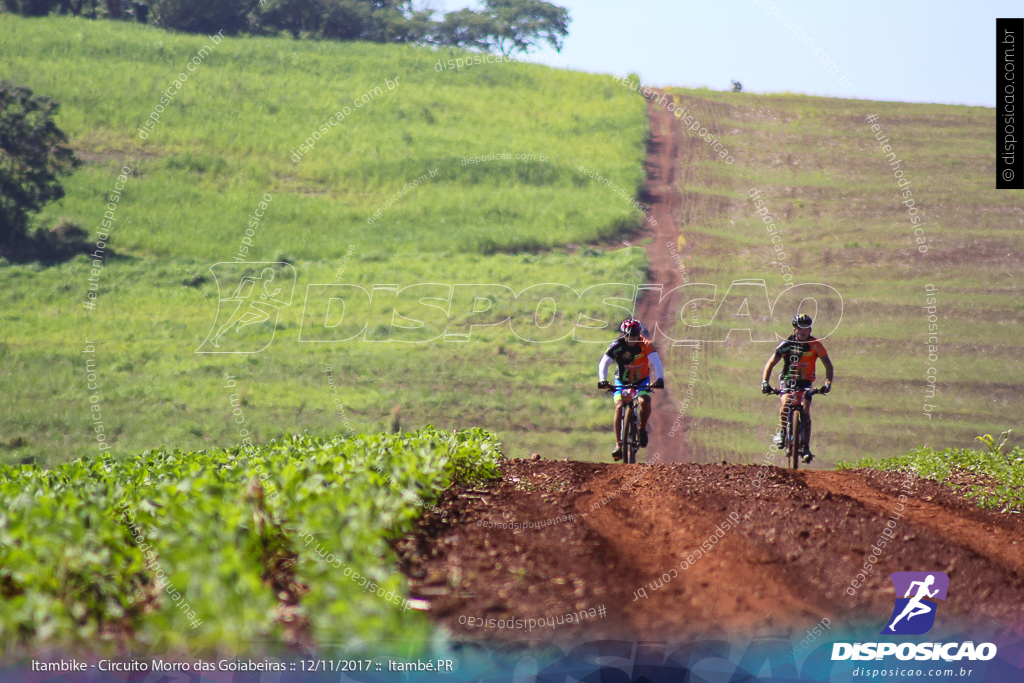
{"points": [[799, 353], [635, 357]]}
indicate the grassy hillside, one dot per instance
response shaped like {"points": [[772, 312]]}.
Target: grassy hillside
{"points": [[834, 199], [227, 136], [222, 143]]}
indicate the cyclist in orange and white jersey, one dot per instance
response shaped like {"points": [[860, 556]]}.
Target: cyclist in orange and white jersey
{"points": [[634, 357], [799, 353]]}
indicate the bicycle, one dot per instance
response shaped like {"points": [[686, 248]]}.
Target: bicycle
{"points": [[629, 439], [793, 432]]}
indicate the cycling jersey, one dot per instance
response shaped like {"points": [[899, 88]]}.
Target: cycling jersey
{"points": [[634, 361], [799, 358]]}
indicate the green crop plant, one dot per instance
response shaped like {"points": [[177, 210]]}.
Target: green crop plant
{"points": [[1001, 475], [210, 529]]}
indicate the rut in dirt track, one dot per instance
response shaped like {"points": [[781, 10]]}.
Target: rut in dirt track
{"points": [[782, 557]]}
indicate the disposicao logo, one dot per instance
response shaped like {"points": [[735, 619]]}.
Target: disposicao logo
{"points": [[250, 297], [914, 615], [950, 652]]}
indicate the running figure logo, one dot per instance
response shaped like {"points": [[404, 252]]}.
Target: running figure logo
{"points": [[914, 615], [248, 307]]}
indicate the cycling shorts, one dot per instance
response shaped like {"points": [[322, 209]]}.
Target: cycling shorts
{"points": [[645, 389]]}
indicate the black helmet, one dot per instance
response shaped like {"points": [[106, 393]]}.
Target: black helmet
{"points": [[802, 320], [630, 326]]}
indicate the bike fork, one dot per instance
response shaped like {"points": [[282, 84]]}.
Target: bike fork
{"points": [[624, 434], [794, 437]]}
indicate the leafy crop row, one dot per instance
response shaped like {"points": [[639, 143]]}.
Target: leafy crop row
{"points": [[212, 530], [1003, 473]]}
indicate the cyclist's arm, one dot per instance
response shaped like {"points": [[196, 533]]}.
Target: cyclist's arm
{"points": [[828, 369], [602, 368], [659, 372], [772, 362]]}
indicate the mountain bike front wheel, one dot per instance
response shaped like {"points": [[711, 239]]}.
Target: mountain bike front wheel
{"points": [[796, 439], [627, 417], [632, 440]]}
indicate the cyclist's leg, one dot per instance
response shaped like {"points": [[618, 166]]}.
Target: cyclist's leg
{"points": [[645, 413], [618, 421], [645, 402], [784, 408], [806, 419], [645, 410]]}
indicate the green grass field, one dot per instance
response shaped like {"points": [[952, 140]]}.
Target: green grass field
{"points": [[226, 138], [224, 142]]}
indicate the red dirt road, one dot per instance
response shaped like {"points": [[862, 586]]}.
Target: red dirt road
{"points": [[664, 203], [671, 157], [664, 150], [785, 563]]}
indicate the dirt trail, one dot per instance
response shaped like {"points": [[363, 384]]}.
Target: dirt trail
{"points": [[665, 204], [671, 162], [770, 559], [979, 531]]}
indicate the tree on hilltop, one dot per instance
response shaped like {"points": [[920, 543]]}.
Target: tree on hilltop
{"points": [[506, 26], [381, 21], [33, 153], [203, 16]]}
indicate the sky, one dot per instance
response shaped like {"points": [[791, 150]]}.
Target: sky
{"points": [[892, 50]]}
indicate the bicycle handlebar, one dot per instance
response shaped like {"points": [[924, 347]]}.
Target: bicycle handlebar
{"points": [[612, 389], [809, 392]]}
